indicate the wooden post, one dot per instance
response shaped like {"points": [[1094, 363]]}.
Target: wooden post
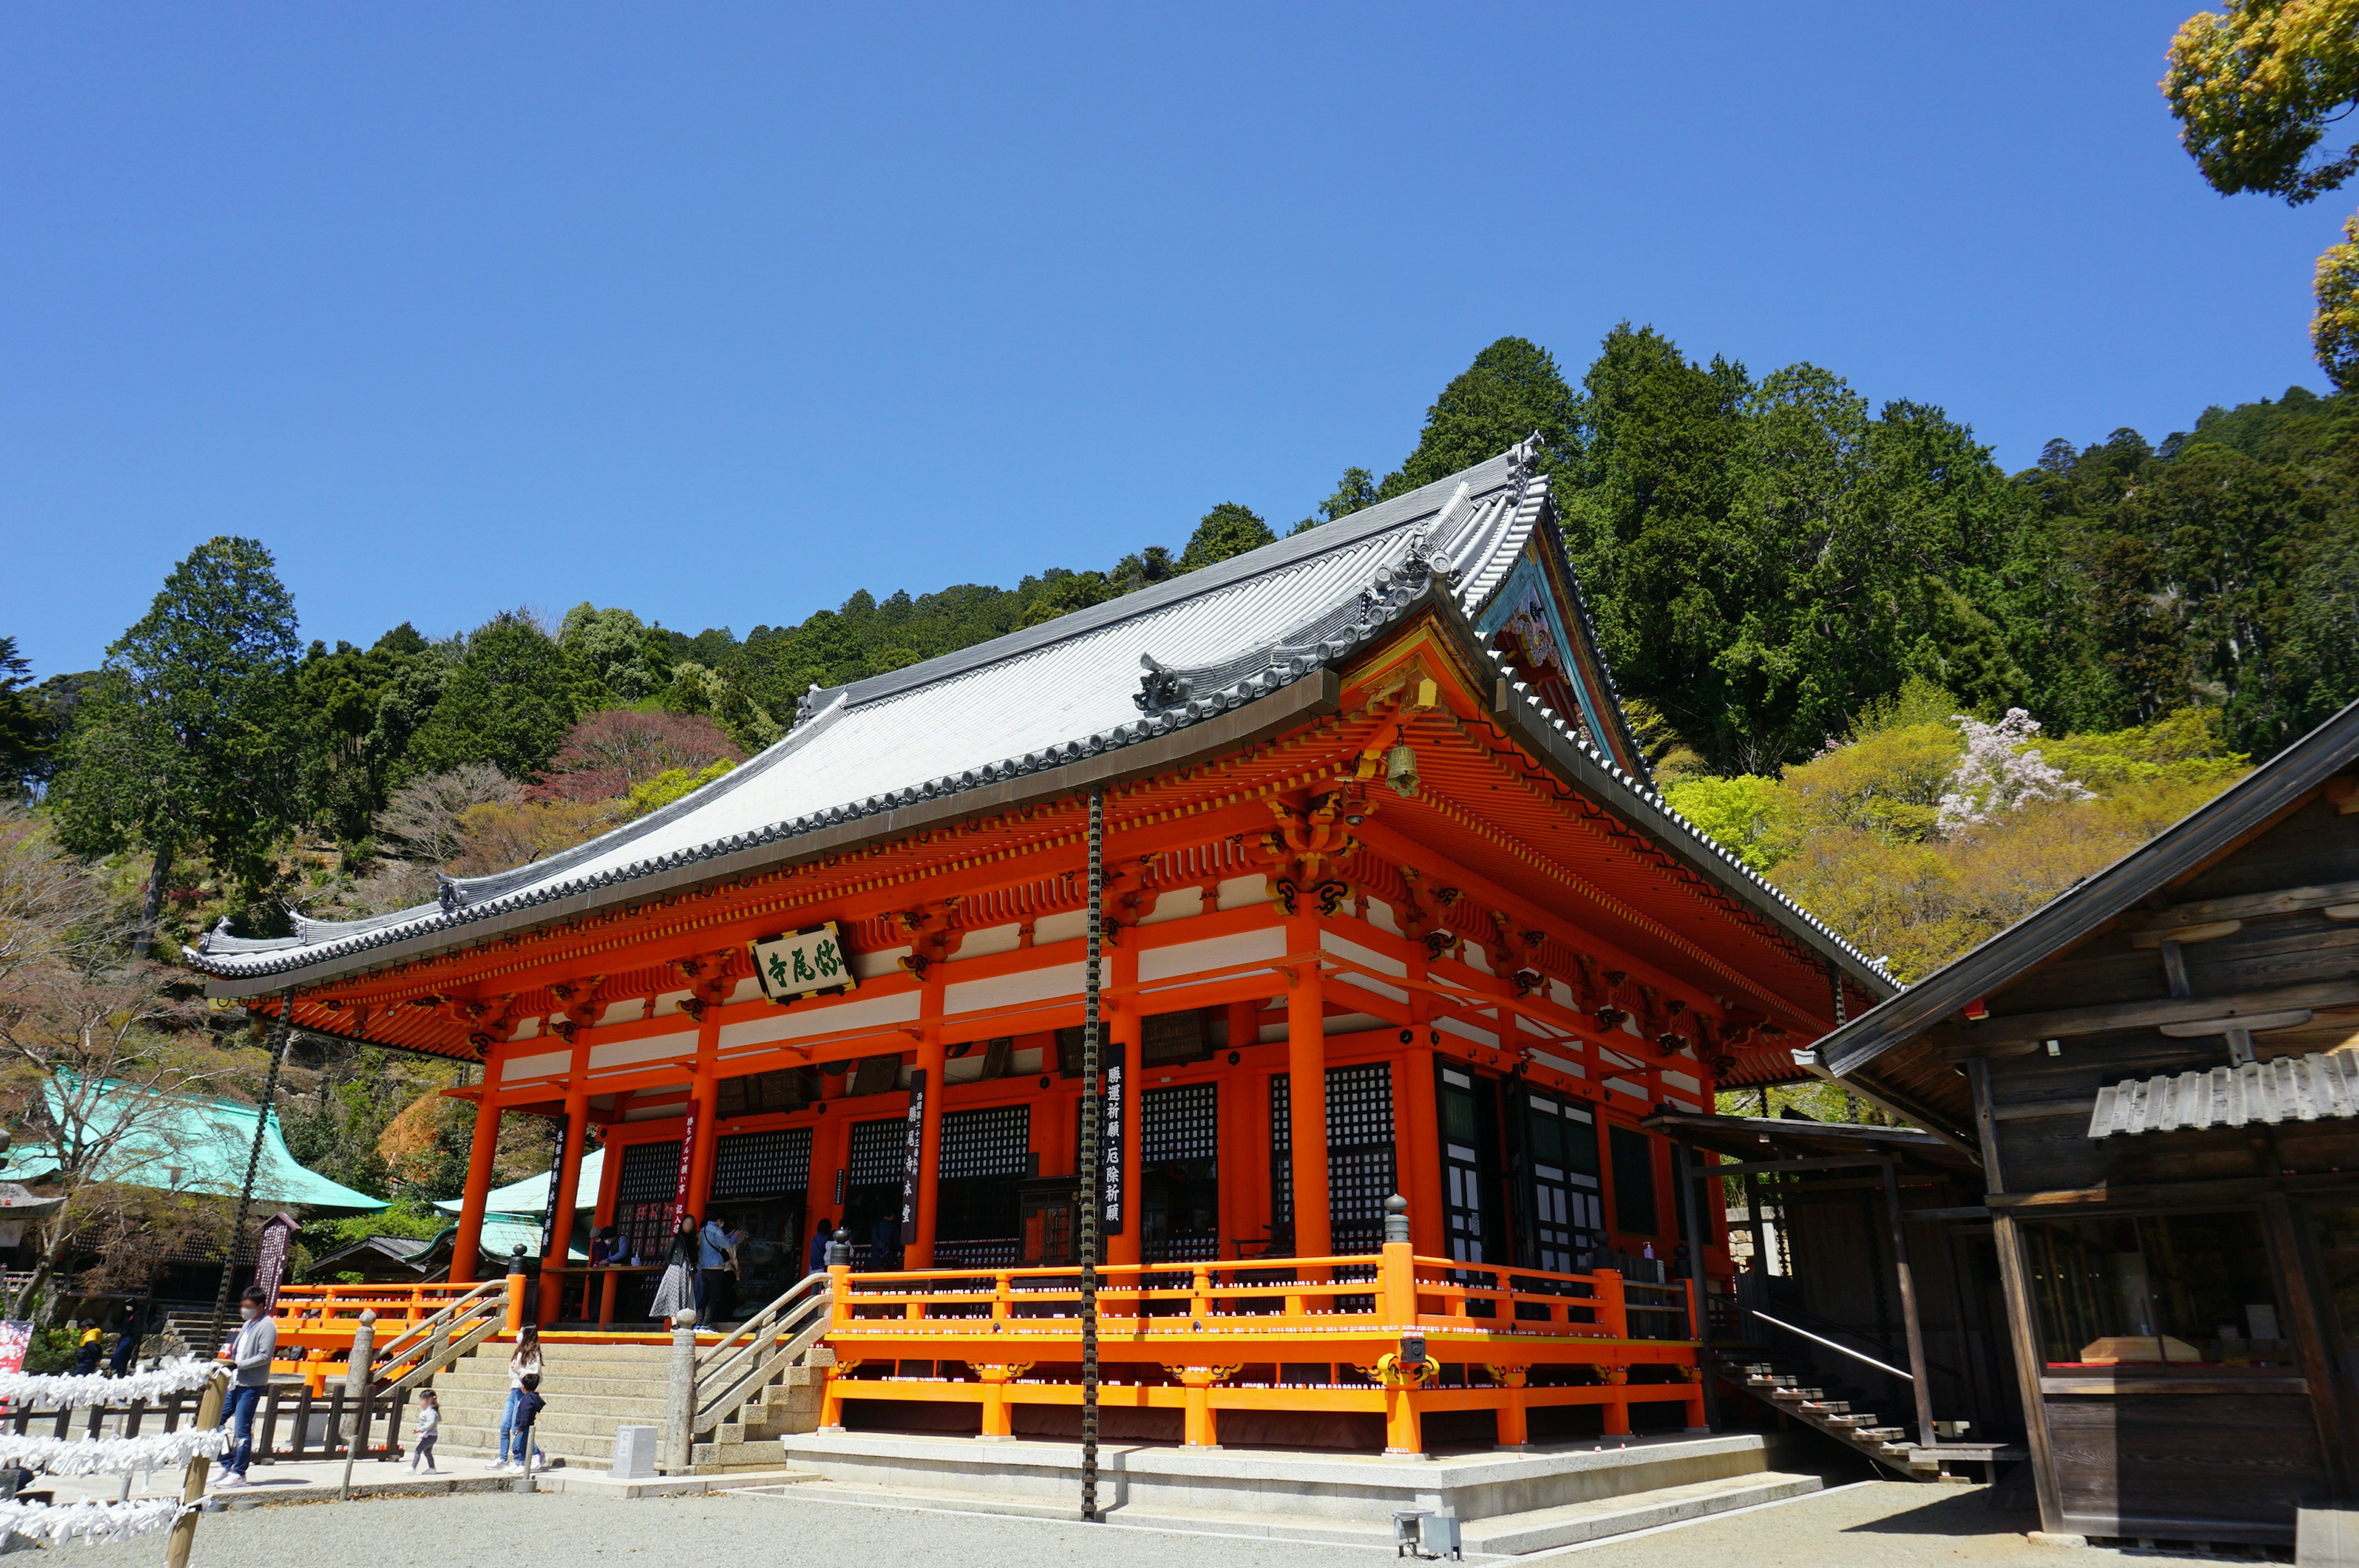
{"points": [[1127, 1029], [2308, 1318], [1908, 1316], [704, 1096], [1615, 1319], [1305, 1067], [1397, 1272], [679, 1456], [569, 1194], [1690, 1176], [193, 1485], [515, 1282], [467, 1241]]}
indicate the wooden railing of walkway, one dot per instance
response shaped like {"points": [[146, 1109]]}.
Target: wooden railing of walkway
{"points": [[1213, 1337]]}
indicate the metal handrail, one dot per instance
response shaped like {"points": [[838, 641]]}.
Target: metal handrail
{"points": [[742, 1362], [1840, 1349], [427, 1325]]}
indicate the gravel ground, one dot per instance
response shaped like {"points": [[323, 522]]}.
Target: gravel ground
{"points": [[1875, 1525]]}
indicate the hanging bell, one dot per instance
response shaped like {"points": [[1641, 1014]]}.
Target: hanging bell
{"points": [[1400, 769]]}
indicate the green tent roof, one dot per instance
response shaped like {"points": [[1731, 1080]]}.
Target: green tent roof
{"points": [[191, 1144]]}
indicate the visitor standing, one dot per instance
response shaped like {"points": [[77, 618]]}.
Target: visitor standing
{"points": [[524, 1371], [250, 1354], [88, 1348], [885, 1242], [127, 1346], [821, 1234], [677, 1291]]}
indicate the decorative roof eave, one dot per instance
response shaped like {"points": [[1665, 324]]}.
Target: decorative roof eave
{"points": [[1311, 697], [1555, 742]]}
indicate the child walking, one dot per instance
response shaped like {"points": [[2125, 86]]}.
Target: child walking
{"points": [[428, 1428], [528, 1406]]}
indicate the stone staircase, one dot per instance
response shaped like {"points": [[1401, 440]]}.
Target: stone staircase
{"points": [[594, 1388]]}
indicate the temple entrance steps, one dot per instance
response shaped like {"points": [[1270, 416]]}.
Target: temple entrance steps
{"points": [[1508, 1501], [591, 1388], [594, 1388]]}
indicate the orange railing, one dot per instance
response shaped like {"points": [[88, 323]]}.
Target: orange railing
{"points": [[316, 1322], [1302, 1333]]}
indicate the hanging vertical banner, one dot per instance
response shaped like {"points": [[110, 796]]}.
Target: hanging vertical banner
{"points": [[271, 1261], [1111, 1153], [686, 1159], [16, 1338], [839, 1186], [556, 1173], [913, 1150]]}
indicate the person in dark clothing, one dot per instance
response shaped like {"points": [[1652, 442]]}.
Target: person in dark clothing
{"points": [[821, 1235], [126, 1346], [529, 1404], [885, 1242], [87, 1352]]}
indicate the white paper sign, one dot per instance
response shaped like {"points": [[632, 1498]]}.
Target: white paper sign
{"points": [[803, 962]]}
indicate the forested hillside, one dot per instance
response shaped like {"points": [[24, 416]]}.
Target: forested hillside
{"points": [[1919, 692]]}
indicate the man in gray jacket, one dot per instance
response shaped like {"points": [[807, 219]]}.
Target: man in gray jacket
{"points": [[250, 1354]]}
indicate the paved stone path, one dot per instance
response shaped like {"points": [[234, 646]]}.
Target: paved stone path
{"points": [[1874, 1525]]}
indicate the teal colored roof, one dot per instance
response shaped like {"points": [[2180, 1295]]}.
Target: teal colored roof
{"points": [[530, 1197], [503, 1234], [197, 1144]]}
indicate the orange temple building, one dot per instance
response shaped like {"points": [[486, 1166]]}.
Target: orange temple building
{"points": [[1391, 907]]}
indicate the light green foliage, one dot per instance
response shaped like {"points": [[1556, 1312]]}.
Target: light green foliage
{"points": [[1749, 815], [671, 784]]}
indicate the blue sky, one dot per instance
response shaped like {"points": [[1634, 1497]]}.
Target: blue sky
{"points": [[721, 312]]}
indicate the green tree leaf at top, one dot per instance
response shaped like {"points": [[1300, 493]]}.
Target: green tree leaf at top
{"points": [[187, 743], [510, 700], [1227, 530], [1512, 389]]}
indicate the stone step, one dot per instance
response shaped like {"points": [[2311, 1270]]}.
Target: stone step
{"points": [[1542, 1528], [1877, 1434], [563, 1400], [551, 1425], [488, 1387]]}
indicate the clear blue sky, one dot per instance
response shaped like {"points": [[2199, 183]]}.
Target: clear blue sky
{"points": [[721, 312]]}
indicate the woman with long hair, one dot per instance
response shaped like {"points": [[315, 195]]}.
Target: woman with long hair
{"points": [[524, 1362], [676, 1291]]}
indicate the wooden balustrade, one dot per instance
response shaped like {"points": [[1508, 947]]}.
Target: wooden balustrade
{"points": [[1326, 1332]]}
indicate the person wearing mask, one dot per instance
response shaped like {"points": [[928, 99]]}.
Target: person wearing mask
{"points": [[716, 1267], [126, 1346], [821, 1235], [250, 1354], [677, 1290], [524, 1372]]}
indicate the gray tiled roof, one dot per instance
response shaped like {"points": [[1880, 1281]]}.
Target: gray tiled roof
{"points": [[1086, 682], [2314, 1088]]}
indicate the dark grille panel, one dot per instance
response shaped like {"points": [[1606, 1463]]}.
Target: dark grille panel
{"points": [[762, 1164], [649, 1172], [1180, 1123], [991, 1142], [877, 1153], [1359, 1168]]}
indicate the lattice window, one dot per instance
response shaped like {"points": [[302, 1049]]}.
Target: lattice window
{"points": [[643, 1194], [1359, 1168], [1179, 1124], [995, 1142], [876, 1152], [761, 1164], [650, 1171]]}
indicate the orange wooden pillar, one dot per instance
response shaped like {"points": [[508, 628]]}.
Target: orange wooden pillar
{"points": [[1615, 1321], [568, 1188], [827, 1157], [1244, 1205], [1417, 1160], [704, 1107], [468, 1243], [933, 1058], [1306, 1065]]}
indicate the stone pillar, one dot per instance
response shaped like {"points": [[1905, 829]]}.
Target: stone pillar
{"points": [[679, 1454]]}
